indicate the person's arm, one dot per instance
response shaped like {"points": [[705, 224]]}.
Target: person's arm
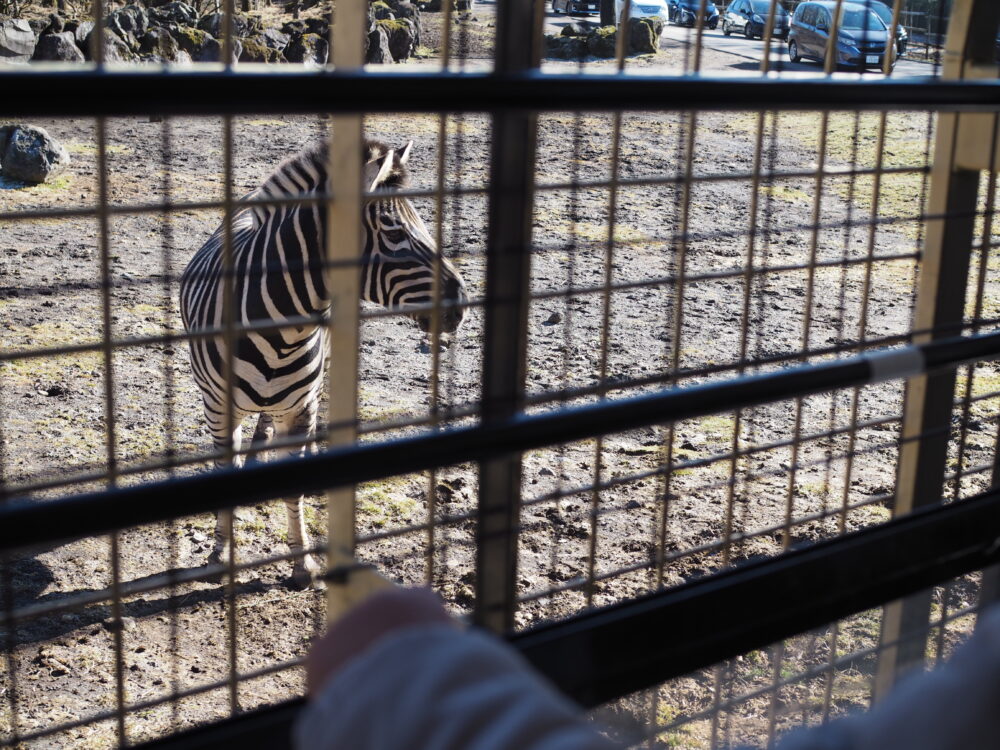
{"points": [[397, 673]]}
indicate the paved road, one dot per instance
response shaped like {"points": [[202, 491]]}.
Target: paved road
{"points": [[751, 50]]}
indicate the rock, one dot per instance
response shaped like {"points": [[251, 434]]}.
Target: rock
{"points": [[404, 9], [578, 28], [160, 45], [37, 25], [212, 51], [56, 25], [213, 24], [191, 40], [382, 11], [255, 51], [294, 28], [80, 33], [318, 26], [402, 37], [180, 13], [58, 47], [378, 47], [129, 23], [566, 47], [308, 48], [115, 50], [31, 154], [17, 41], [274, 39], [601, 42], [553, 319], [644, 34]]}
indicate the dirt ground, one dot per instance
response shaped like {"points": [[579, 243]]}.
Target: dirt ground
{"points": [[53, 424]]}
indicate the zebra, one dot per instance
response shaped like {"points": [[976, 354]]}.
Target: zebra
{"points": [[277, 257]]}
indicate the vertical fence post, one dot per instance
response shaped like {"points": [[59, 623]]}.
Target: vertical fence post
{"points": [[940, 310], [508, 274], [343, 252]]}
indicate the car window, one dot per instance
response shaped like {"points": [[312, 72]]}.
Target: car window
{"points": [[763, 7], [864, 20], [809, 14], [882, 11]]}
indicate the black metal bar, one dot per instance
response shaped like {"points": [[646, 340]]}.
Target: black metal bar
{"points": [[264, 729], [606, 654], [603, 655], [87, 93], [24, 523]]}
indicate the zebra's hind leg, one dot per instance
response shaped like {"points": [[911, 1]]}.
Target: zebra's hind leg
{"points": [[304, 569]]}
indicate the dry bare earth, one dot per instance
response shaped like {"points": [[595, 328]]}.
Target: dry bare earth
{"points": [[51, 409]]}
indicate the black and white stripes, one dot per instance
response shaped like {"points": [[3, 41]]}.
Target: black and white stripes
{"points": [[278, 253]]}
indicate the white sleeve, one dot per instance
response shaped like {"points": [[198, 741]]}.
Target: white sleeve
{"points": [[956, 707], [437, 688]]}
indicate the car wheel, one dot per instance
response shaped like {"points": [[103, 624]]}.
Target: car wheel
{"points": [[725, 29], [713, 25], [748, 30], [793, 51]]}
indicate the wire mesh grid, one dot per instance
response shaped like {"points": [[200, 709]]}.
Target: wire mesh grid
{"points": [[668, 248], [816, 677]]}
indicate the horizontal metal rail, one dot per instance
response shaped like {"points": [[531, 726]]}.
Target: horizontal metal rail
{"points": [[602, 655], [606, 654], [23, 523], [87, 93]]}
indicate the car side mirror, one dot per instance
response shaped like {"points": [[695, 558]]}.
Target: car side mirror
{"points": [[821, 26]]}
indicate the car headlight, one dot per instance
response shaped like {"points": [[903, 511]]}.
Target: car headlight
{"points": [[757, 18]]}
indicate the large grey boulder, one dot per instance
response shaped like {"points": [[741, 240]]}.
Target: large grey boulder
{"points": [[81, 34], [115, 50], [378, 47], [58, 47], [212, 51], [644, 34], [17, 41], [30, 154], [213, 24], [175, 12], [566, 47], [601, 42], [159, 46], [311, 49], [129, 23], [402, 37], [274, 39]]}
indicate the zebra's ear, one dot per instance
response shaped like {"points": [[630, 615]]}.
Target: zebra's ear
{"points": [[384, 171], [405, 155]]}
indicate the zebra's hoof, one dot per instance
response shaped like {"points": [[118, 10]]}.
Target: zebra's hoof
{"points": [[306, 574]]}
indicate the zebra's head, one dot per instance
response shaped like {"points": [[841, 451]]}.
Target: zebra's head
{"points": [[401, 259]]}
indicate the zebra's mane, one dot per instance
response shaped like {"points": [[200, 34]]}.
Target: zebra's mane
{"points": [[309, 167]]}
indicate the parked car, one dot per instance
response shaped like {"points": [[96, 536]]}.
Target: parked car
{"points": [[685, 13], [884, 12], [749, 17], [576, 7], [643, 8], [861, 36]]}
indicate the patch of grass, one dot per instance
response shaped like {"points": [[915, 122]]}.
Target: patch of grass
{"points": [[787, 194], [855, 140], [91, 148], [380, 503]]}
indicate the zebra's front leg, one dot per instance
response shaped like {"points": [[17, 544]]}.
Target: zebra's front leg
{"points": [[305, 569], [224, 518]]}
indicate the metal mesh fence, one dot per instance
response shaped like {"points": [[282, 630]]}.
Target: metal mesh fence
{"points": [[611, 247]]}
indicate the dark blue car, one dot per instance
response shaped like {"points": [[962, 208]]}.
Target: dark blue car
{"points": [[685, 13], [749, 17]]}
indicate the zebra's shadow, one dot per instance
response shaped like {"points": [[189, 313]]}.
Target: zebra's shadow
{"points": [[39, 616]]}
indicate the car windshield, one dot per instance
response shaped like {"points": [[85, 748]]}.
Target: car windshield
{"points": [[882, 11], [861, 20], [764, 7], [695, 4]]}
